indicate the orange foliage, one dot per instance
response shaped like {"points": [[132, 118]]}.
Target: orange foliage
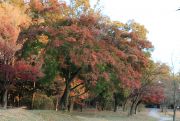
{"points": [[79, 90], [37, 5]]}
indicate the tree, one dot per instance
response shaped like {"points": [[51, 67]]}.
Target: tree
{"points": [[76, 42], [12, 19]]}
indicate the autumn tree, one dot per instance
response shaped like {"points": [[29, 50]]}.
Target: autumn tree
{"points": [[75, 42], [150, 91], [12, 20]]}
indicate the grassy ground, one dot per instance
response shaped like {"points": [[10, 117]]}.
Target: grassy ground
{"points": [[90, 115], [169, 112]]}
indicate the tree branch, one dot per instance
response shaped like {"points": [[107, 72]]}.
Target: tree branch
{"points": [[76, 86], [74, 75]]}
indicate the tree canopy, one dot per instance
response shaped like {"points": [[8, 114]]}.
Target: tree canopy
{"points": [[73, 53]]}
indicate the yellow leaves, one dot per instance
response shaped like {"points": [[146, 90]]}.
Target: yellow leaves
{"points": [[55, 11], [12, 19], [118, 24], [140, 30], [43, 39], [79, 6], [19, 3], [53, 17], [84, 3], [15, 15], [38, 21]]}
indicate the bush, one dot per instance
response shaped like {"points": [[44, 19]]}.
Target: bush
{"points": [[26, 101], [42, 101]]}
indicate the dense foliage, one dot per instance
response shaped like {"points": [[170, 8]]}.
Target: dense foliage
{"points": [[73, 56]]}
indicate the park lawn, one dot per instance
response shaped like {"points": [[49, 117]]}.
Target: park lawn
{"points": [[112, 116], [49, 115], [170, 113]]}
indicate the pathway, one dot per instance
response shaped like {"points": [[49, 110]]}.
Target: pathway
{"points": [[154, 113]]}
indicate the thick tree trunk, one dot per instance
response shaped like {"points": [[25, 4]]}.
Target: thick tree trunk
{"points": [[65, 99], [64, 102], [136, 107], [132, 108], [132, 111], [5, 96]]}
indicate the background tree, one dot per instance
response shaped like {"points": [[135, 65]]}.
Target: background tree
{"points": [[12, 19]]}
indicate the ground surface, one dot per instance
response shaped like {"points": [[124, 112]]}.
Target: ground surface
{"points": [[88, 115], [160, 116]]}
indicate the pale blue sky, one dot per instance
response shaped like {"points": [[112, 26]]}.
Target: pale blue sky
{"points": [[159, 17]]}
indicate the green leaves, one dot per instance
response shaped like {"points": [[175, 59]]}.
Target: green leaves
{"points": [[50, 69], [31, 48], [100, 86], [102, 67]]}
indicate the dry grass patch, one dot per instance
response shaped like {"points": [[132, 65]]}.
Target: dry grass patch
{"points": [[50, 115]]}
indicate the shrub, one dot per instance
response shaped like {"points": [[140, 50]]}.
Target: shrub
{"points": [[42, 101]]}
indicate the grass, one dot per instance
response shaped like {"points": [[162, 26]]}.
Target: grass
{"points": [[170, 113], [118, 116], [49, 115]]}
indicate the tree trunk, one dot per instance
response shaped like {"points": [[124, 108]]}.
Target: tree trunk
{"points": [[132, 108], [174, 113], [32, 103], [71, 104], [81, 108], [115, 102], [19, 97], [65, 99], [124, 105], [5, 96], [174, 102], [133, 104], [136, 107], [1, 98], [115, 107], [57, 103], [162, 108], [33, 96]]}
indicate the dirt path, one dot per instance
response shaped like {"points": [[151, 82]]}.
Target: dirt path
{"points": [[155, 113]]}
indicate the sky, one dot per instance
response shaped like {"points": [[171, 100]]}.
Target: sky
{"points": [[161, 20]]}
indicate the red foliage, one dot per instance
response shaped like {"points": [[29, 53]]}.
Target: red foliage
{"points": [[88, 21], [70, 39], [126, 58], [26, 72], [120, 54], [7, 73], [57, 43], [153, 94], [54, 6]]}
